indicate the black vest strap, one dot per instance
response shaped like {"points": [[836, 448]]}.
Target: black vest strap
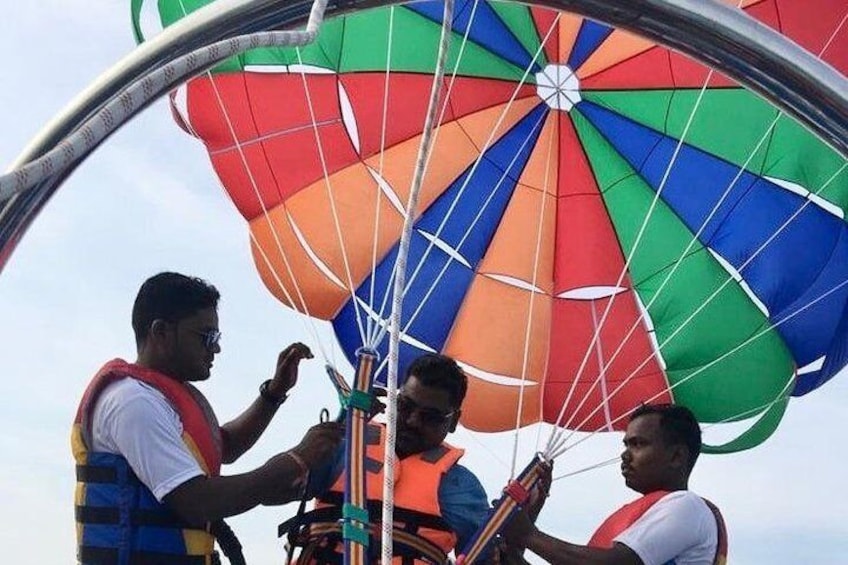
{"points": [[109, 515], [89, 555], [96, 474]]}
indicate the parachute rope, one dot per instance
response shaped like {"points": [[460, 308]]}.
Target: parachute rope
{"points": [[331, 197], [695, 238], [465, 184], [756, 336], [528, 327], [377, 208], [556, 434], [424, 150], [374, 339], [712, 297], [307, 320]]}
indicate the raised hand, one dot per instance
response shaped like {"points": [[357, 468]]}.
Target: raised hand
{"points": [[285, 375]]}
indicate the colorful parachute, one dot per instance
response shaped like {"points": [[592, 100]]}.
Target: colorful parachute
{"points": [[555, 141]]}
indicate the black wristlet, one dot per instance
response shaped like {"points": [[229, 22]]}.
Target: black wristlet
{"points": [[268, 397]]}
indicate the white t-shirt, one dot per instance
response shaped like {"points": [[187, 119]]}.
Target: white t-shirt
{"points": [[136, 421], [680, 529]]}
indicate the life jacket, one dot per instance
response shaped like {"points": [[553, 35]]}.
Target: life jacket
{"points": [[420, 533], [627, 515], [118, 520]]}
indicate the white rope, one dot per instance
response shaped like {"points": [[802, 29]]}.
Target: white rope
{"points": [[528, 328], [123, 107], [328, 185], [377, 338], [706, 303], [397, 299], [626, 267], [371, 326], [462, 189], [307, 320]]}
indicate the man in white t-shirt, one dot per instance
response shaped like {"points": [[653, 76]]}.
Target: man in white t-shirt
{"points": [[668, 525], [149, 448]]}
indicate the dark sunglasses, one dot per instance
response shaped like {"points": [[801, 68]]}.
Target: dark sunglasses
{"points": [[431, 416], [210, 338]]}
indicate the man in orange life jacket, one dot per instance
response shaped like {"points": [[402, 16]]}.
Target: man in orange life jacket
{"points": [[668, 525], [149, 449], [438, 504]]}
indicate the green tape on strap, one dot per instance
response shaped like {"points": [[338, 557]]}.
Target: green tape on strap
{"points": [[354, 512], [356, 534], [359, 400]]}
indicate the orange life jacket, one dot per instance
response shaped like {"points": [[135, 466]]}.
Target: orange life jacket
{"points": [[118, 518], [420, 533], [625, 516]]}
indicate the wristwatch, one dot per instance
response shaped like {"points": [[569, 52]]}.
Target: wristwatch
{"points": [[268, 397]]}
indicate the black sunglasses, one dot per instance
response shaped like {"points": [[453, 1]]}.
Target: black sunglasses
{"points": [[211, 338], [431, 416]]}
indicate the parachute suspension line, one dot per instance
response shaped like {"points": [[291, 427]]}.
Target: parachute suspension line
{"points": [[626, 267], [332, 199], [679, 261], [122, 107], [834, 34], [371, 324], [696, 237], [668, 277], [464, 185], [308, 322], [306, 319], [603, 373], [528, 328], [379, 338], [424, 150], [751, 411], [727, 354], [600, 465], [709, 300], [420, 306]]}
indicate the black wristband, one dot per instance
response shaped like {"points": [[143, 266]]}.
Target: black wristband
{"points": [[268, 397]]}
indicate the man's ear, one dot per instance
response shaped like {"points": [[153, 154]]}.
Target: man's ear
{"points": [[158, 329], [454, 421], [680, 456]]}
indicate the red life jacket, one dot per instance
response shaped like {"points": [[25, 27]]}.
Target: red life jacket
{"points": [[627, 515], [118, 518]]}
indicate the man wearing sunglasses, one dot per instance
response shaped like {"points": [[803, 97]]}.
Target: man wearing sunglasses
{"points": [[149, 448], [438, 504]]}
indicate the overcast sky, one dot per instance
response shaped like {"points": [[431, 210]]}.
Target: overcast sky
{"points": [[147, 201]]}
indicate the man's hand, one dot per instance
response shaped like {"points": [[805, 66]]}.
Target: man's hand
{"points": [[320, 444], [285, 375]]}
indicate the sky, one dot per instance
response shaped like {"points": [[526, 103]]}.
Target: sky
{"points": [[148, 201]]}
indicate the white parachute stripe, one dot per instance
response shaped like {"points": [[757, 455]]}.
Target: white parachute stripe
{"points": [[503, 380], [591, 292], [452, 252], [304, 243], [825, 205], [348, 117], [731, 270]]}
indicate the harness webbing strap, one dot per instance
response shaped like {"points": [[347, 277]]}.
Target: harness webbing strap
{"points": [[89, 555], [111, 515]]}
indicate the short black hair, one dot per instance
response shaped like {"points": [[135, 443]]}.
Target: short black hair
{"points": [[442, 372], [678, 426], [172, 297]]}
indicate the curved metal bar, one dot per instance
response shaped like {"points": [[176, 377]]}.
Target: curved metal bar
{"points": [[762, 59]]}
